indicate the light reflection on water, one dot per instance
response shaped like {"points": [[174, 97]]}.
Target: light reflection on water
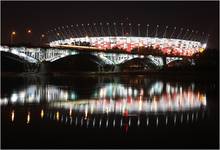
{"points": [[129, 102], [158, 94]]}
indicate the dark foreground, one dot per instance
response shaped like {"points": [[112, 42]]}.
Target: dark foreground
{"points": [[109, 112]]}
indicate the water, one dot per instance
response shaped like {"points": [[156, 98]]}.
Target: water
{"points": [[108, 112]]}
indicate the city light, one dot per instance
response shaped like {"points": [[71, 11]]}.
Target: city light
{"points": [[42, 114], [165, 45], [57, 116], [13, 33], [12, 115], [125, 99], [28, 118], [29, 31], [174, 99], [109, 75], [12, 36]]}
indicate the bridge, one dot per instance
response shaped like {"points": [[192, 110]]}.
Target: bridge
{"points": [[38, 55]]}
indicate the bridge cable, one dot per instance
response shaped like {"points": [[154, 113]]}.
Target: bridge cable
{"points": [[115, 29], [79, 30], [75, 33], [84, 30], [102, 31], [70, 33], [156, 30], [185, 34], [94, 25], [194, 35], [181, 30], [139, 33], [48, 36], [165, 32], [202, 37], [207, 38], [109, 31], [174, 29], [122, 29], [130, 29], [198, 36], [147, 30], [65, 32], [62, 34], [88, 25], [190, 35], [55, 34]]}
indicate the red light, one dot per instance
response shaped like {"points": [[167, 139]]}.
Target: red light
{"points": [[125, 113]]}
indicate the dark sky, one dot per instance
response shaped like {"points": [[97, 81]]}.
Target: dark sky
{"points": [[44, 16]]}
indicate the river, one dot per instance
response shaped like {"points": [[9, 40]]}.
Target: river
{"points": [[109, 112]]}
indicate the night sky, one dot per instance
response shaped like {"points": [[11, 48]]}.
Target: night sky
{"points": [[44, 16]]}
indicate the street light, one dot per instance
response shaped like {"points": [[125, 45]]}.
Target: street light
{"points": [[29, 35], [29, 31], [12, 35], [42, 38]]}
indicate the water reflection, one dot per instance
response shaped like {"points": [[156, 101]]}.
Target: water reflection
{"points": [[42, 113], [158, 96], [126, 101], [113, 104], [12, 115], [36, 94], [28, 118], [57, 116], [131, 121]]}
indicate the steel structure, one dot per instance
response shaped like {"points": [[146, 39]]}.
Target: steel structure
{"points": [[37, 55], [179, 42], [167, 46]]}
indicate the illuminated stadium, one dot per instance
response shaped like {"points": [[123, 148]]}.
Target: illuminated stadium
{"points": [[129, 37]]}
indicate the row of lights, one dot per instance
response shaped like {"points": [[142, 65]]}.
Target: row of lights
{"points": [[13, 35]]}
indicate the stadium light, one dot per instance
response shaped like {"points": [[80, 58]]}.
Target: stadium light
{"points": [[164, 43]]}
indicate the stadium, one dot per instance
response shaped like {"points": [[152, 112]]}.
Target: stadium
{"points": [[129, 38]]}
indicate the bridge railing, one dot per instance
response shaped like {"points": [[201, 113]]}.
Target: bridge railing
{"points": [[19, 52], [35, 55]]}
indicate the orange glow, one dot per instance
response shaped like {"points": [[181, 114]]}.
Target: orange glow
{"points": [[202, 98], [13, 33], [70, 112], [29, 31], [57, 115], [28, 118], [12, 116], [201, 50], [42, 113], [125, 113]]}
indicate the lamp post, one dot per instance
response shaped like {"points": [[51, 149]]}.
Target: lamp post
{"points": [[42, 38], [12, 35]]}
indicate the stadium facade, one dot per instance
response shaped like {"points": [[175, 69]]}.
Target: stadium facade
{"points": [[165, 40]]}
